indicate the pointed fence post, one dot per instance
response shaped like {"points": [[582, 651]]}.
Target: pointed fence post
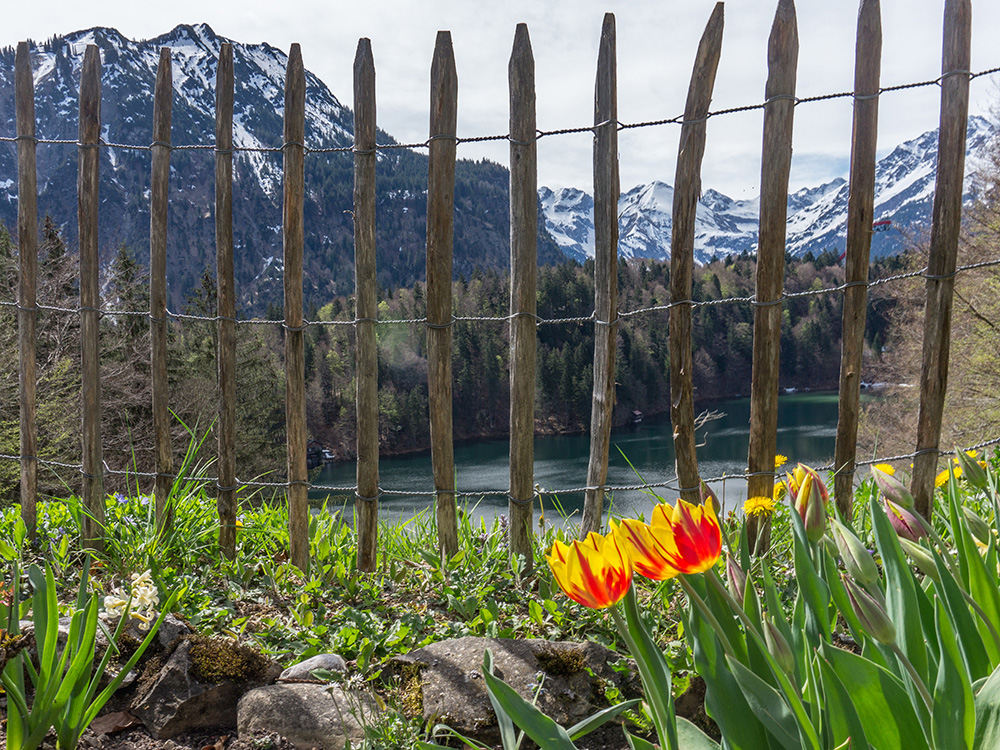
{"points": [[226, 301], [440, 234], [90, 297], [860, 210], [27, 314], [946, 223], [158, 202], [687, 191], [295, 369], [365, 160], [776, 159], [606, 194], [523, 288]]}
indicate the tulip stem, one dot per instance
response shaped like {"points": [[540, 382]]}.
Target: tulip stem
{"points": [[982, 615], [731, 600], [917, 680], [693, 597]]}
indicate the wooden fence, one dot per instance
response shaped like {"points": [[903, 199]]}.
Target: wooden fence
{"points": [[779, 106]]}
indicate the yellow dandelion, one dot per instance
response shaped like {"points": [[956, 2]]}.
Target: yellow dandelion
{"points": [[780, 461], [758, 506], [887, 468], [942, 478], [780, 490]]}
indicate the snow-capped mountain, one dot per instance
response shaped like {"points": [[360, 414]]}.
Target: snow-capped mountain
{"points": [[817, 217], [128, 77]]}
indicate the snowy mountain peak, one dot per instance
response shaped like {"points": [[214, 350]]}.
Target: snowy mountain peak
{"points": [[817, 216]]}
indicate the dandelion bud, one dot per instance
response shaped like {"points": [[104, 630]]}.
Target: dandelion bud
{"points": [[778, 646], [871, 614], [857, 559]]}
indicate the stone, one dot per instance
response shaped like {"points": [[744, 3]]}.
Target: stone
{"points": [[301, 671], [443, 682], [307, 715], [180, 697]]}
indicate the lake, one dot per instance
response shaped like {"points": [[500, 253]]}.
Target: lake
{"points": [[807, 428]]}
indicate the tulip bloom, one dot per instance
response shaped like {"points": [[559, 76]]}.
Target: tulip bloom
{"points": [[904, 521], [682, 538], [595, 572]]}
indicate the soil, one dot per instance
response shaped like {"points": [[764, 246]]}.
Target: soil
{"points": [[138, 738]]}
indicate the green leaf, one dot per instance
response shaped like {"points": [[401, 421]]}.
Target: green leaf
{"points": [[813, 589], [768, 706], [842, 718], [880, 699], [900, 595], [972, 649], [538, 726], [588, 725], [987, 735], [638, 743], [953, 719], [690, 737]]}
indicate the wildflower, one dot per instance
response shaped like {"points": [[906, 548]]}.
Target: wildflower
{"points": [[758, 506], [595, 572], [121, 499], [887, 468], [780, 461], [114, 605], [780, 490], [942, 479]]}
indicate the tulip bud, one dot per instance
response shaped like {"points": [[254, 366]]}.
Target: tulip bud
{"points": [[921, 558], [708, 494], [778, 646], [737, 579], [857, 559], [809, 503], [871, 613], [892, 488], [977, 525], [974, 474], [907, 524]]}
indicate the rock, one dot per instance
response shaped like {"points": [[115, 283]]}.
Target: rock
{"points": [[199, 686], [307, 715], [443, 682], [301, 671]]}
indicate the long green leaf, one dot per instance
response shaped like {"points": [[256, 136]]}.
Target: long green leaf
{"points": [[953, 719], [988, 714], [507, 736], [972, 649], [768, 706], [690, 737], [539, 727], [588, 725], [842, 718], [880, 699], [813, 589], [900, 596], [638, 743]]}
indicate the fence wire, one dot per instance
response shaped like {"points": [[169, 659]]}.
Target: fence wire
{"points": [[671, 484], [540, 134]]}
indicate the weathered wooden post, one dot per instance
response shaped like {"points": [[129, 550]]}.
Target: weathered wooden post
{"points": [[159, 195], [523, 287], [27, 314], [226, 303], [606, 194], [367, 305], [440, 233], [776, 159], [687, 191], [860, 210], [90, 297], [946, 223], [295, 368]]}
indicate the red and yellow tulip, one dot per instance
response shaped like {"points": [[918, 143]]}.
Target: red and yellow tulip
{"points": [[595, 572], [681, 538]]}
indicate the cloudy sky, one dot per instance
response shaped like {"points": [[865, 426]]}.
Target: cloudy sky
{"points": [[657, 40]]}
